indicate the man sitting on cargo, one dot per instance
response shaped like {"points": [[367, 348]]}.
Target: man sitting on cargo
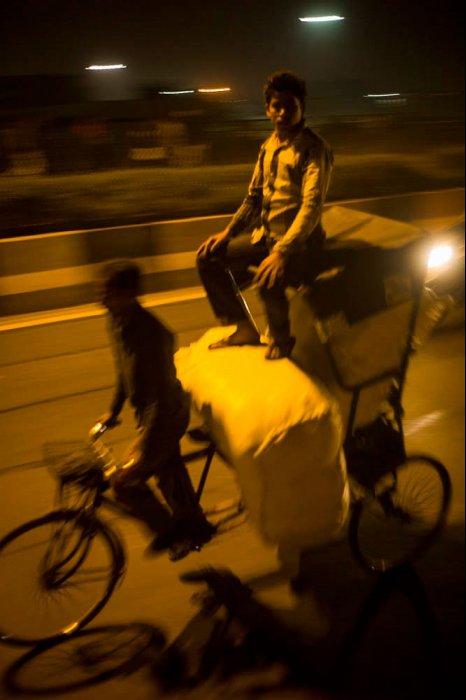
{"points": [[283, 208]]}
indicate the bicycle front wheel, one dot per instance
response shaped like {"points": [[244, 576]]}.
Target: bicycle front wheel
{"points": [[56, 574], [404, 515]]}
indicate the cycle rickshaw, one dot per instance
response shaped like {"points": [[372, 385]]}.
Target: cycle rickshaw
{"points": [[70, 561]]}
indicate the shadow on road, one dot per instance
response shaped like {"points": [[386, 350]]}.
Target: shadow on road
{"points": [[397, 635], [88, 658]]}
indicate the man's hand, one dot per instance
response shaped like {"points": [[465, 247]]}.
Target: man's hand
{"points": [[134, 452], [125, 478], [131, 472], [213, 243], [110, 420], [270, 270]]}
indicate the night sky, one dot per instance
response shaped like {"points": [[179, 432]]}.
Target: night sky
{"points": [[383, 45]]}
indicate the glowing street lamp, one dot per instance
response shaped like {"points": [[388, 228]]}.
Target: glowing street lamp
{"points": [[108, 66], [219, 89], [384, 94], [322, 18], [176, 92]]}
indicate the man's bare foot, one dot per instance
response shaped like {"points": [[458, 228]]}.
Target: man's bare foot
{"points": [[278, 350], [242, 336]]}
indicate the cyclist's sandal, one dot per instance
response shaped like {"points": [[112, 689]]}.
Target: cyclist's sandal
{"points": [[164, 540], [200, 534]]}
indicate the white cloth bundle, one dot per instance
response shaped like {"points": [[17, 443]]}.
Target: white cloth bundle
{"points": [[280, 431]]}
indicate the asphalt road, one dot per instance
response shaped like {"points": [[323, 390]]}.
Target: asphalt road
{"points": [[61, 381]]}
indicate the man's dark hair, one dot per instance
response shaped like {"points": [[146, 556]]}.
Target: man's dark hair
{"points": [[122, 274], [285, 81]]}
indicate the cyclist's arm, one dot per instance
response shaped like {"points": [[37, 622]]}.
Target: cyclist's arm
{"points": [[152, 362], [118, 400], [145, 442]]}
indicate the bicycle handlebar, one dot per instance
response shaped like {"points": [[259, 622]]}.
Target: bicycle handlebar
{"points": [[99, 428], [101, 449], [97, 431]]}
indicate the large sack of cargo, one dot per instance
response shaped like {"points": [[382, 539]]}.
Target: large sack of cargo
{"points": [[280, 430]]}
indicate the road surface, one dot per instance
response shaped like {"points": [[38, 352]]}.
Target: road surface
{"points": [[58, 380]]}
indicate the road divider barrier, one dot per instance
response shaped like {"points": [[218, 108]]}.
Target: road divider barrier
{"points": [[58, 270]]}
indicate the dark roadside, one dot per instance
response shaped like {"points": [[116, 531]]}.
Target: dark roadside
{"points": [[372, 159]]}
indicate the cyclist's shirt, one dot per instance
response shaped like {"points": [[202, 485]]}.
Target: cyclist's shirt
{"points": [[144, 349]]}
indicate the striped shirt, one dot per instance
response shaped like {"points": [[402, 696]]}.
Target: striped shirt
{"points": [[287, 192]]}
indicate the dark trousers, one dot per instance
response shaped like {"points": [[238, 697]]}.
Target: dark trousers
{"points": [[238, 256], [166, 465]]}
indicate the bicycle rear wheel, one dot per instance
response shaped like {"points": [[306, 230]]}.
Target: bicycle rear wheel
{"points": [[56, 574], [403, 517]]}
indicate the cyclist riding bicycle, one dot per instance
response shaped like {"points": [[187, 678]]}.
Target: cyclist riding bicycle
{"points": [[146, 375]]}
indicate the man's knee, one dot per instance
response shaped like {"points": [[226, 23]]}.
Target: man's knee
{"points": [[208, 263], [126, 493]]}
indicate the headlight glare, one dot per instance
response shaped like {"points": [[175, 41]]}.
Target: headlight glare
{"points": [[440, 255]]}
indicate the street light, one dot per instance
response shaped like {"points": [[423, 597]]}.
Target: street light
{"points": [[109, 66], [176, 92], [219, 89], [322, 18]]}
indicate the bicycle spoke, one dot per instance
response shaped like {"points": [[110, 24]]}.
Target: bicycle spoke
{"points": [[49, 585], [82, 577]]}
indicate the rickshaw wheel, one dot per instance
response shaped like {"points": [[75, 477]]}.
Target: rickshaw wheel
{"points": [[401, 516]]}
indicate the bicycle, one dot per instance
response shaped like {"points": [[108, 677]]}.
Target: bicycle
{"points": [[69, 561]]}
